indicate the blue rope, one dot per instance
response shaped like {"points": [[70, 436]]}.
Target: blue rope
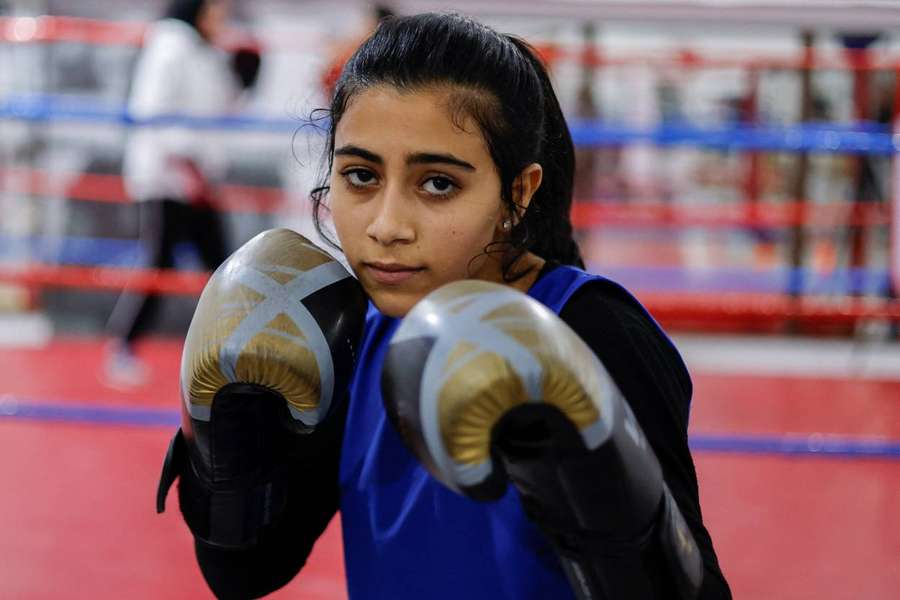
{"points": [[808, 281], [86, 251], [860, 138], [12, 408], [798, 445], [50, 108], [864, 138], [786, 445]]}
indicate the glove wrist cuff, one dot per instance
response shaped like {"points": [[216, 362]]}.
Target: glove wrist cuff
{"points": [[225, 518]]}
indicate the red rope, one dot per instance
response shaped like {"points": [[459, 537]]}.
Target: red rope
{"points": [[96, 187], [164, 281], [690, 59], [100, 32], [743, 307], [665, 306], [70, 29]]}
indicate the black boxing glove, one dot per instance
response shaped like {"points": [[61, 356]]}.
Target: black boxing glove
{"points": [[266, 364], [486, 385], [245, 63]]}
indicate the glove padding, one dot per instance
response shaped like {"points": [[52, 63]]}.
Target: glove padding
{"points": [[267, 358], [486, 384]]}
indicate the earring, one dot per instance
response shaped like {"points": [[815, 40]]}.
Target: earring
{"points": [[507, 224]]}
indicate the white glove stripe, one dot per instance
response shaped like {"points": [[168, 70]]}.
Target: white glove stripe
{"points": [[467, 326]]}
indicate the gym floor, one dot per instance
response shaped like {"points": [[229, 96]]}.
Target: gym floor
{"points": [[795, 444]]}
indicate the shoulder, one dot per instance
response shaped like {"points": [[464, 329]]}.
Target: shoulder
{"points": [[617, 303], [639, 355], [582, 295]]}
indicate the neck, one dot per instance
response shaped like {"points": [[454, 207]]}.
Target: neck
{"points": [[491, 269], [529, 263]]}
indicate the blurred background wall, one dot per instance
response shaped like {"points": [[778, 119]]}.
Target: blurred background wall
{"points": [[723, 147]]}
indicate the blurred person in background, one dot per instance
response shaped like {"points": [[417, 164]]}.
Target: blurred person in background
{"points": [[170, 170]]}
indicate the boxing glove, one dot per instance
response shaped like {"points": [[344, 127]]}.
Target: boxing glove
{"points": [[486, 386], [245, 62], [266, 364]]}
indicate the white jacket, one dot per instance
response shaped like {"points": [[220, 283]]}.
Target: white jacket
{"points": [[177, 74]]}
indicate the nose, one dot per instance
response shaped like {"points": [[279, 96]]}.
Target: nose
{"points": [[392, 222]]}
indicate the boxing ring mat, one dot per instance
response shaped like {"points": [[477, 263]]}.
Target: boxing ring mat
{"points": [[80, 464]]}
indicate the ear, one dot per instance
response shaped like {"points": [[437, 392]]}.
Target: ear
{"points": [[524, 187]]}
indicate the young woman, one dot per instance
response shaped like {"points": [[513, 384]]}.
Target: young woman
{"points": [[449, 159]]}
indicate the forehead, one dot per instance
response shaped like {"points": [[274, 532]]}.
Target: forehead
{"points": [[384, 119]]}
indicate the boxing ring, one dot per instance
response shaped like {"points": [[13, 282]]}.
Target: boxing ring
{"points": [[796, 439]]}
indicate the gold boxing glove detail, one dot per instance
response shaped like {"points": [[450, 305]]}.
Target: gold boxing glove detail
{"points": [[252, 327]]}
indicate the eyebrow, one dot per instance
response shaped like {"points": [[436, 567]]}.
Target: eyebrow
{"points": [[417, 158], [351, 150], [427, 158]]}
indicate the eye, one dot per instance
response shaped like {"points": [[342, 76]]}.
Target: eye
{"points": [[439, 186], [359, 178]]}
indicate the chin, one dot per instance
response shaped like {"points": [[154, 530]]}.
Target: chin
{"points": [[393, 305]]}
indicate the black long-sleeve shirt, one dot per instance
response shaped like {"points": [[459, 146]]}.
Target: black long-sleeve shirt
{"points": [[654, 380]]}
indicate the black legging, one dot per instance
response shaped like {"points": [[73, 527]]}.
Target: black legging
{"points": [[162, 224]]}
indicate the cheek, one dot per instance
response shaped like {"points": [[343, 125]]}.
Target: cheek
{"points": [[346, 221], [458, 245], [474, 238], [339, 215]]}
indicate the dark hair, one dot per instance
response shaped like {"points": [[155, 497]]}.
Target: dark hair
{"points": [[503, 86], [185, 10]]}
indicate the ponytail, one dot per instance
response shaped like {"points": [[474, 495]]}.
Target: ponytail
{"points": [[547, 219]]}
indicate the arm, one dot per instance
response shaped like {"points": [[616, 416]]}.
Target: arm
{"points": [[486, 384], [267, 360], [652, 377]]}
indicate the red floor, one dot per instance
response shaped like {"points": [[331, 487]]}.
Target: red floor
{"points": [[740, 404], [78, 520]]}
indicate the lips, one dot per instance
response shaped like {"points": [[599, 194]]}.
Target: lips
{"points": [[391, 273]]}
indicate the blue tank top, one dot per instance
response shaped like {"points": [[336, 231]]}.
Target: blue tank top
{"points": [[406, 535]]}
